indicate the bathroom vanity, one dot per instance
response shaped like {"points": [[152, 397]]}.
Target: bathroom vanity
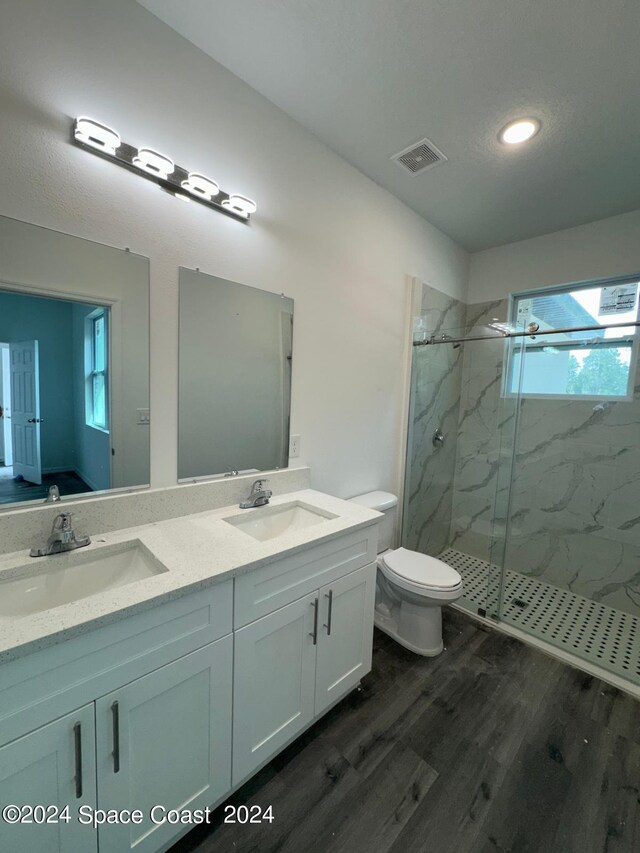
{"points": [[201, 647]]}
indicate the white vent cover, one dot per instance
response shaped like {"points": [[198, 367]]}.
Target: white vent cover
{"points": [[419, 157]]}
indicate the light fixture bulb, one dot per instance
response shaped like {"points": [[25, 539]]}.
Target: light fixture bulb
{"points": [[519, 131], [99, 136], [200, 186], [240, 205], [154, 163]]}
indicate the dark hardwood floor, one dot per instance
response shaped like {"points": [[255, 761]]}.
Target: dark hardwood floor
{"points": [[12, 491], [492, 747]]}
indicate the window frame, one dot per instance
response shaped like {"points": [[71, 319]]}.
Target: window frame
{"points": [[511, 343], [92, 372]]}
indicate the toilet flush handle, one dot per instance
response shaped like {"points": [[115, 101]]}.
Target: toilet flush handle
{"points": [[438, 438]]}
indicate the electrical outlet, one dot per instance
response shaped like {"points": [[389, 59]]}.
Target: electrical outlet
{"points": [[143, 417], [294, 446]]}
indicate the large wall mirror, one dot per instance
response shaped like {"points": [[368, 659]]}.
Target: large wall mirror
{"points": [[74, 365], [235, 377]]}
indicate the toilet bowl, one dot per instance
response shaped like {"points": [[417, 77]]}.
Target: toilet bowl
{"points": [[411, 588], [410, 591]]}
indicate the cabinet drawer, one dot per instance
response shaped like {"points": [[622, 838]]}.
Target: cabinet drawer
{"points": [[270, 587], [46, 684]]}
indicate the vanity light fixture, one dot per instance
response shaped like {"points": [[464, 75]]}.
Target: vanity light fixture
{"points": [[240, 205], [101, 139], [156, 164], [96, 135], [201, 186], [518, 131]]}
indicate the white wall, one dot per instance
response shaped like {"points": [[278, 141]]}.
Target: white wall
{"points": [[326, 235], [608, 247]]}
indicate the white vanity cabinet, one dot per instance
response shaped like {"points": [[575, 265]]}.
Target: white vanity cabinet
{"points": [[156, 729], [165, 739], [274, 683], [175, 705], [52, 767], [294, 663], [345, 635]]}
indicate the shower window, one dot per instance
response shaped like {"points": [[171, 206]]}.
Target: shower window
{"points": [[597, 364]]}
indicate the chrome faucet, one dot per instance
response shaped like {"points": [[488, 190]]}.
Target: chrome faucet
{"points": [[258, 496], [54, 495], [63, 538]]}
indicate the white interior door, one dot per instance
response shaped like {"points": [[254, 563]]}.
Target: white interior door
{"points": [[25, 410], [5, 424]]}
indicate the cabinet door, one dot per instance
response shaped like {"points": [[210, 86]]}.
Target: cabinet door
{"points": [[53, 766], [274, 682], [165, 740], [345, 635]]}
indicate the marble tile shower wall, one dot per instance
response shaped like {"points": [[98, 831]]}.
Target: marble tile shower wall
{"points": [[484, 440], [574, 517], [575, 506], [435, 400]]}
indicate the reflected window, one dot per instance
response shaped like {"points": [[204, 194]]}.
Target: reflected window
{"points": [[96, 368], [590, 364]]}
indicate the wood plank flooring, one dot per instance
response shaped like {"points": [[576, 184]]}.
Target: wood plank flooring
{"points": [[492, 747], [12, 491]]}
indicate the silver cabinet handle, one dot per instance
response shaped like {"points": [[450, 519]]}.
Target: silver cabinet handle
{"points": [[115, 719], [329, 595], [314, 634], [77, 741]]}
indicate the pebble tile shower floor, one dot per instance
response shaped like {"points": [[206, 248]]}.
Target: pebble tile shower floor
{"points": [[600, 634]]}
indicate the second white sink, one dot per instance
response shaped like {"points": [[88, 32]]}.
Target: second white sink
{"points": [[269, 522], [47, 582]]}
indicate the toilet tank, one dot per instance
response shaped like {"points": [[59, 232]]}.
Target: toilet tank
{"points": [[387, 504]]}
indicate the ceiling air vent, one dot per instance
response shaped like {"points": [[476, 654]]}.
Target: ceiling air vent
{"points": [[419, 157]]}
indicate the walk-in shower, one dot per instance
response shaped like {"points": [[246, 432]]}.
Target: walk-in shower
{"points": [[523, 462]]}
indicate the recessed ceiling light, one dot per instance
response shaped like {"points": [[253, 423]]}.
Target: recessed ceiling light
{"points": [[519, 131]]}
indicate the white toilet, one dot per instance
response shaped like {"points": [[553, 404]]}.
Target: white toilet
{"points": [[411, 588]]}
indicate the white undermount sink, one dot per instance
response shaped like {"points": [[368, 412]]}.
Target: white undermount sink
{"points": [[47, 582], [269, 522]]}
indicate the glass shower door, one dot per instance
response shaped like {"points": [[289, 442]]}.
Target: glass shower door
{"points": [[571, 549]]}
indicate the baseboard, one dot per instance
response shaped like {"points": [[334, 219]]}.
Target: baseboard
{"points": [[93, 486]]}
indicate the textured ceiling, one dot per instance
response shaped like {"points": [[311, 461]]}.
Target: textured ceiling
{"points": [[370, 77]]}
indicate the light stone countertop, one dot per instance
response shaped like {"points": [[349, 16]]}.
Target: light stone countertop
{"points": [[197, 551]]}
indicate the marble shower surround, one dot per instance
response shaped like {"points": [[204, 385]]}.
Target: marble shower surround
{"points": [[435, 400], [574, 513]]}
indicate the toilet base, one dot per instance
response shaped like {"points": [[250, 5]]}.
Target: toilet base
{"points": [[389, 626]]}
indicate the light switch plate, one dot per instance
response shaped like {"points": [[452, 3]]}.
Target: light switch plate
{"points": [[294, 446], [143, 417]]}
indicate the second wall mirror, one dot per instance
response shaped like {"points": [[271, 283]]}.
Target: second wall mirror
{"points": [[235, 377]]}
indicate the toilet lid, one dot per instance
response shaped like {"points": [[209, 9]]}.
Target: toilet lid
{"points": [[421, 570]]}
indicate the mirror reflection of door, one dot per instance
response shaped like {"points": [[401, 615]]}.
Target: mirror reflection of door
{"points": [[54, 394], [25, 408], [6, 448]]}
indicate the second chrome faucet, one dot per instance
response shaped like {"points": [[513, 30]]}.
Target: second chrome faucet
{"points": [[258, 496]]}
